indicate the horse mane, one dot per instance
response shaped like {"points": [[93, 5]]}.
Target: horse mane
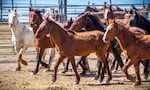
{"points": [[38, 12], [88, 8], [66, 30], [96, 22]]}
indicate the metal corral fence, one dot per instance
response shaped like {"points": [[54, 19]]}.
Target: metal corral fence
{"points": [[71, 10]]}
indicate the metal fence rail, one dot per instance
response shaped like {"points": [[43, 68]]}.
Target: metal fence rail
{"points": [[72, 10]]}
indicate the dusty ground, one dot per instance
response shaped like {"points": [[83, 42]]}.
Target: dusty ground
{"points": [[17, 80]]}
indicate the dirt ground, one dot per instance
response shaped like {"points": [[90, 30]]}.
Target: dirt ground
{"points": [[20, 80]]}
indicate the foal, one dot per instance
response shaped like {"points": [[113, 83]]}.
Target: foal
{"points": [[137, 41], [80, 44]]}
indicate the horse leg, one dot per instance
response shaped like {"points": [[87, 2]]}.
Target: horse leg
{"points": [[20, 52], [84, 65], [125, 70], [113, 64], [66, 66], [52, 55], [39, 56], [146, 71], [136, 67], [116, 53], [75, 69], [106, 65], [99, 66], [60, 59]]}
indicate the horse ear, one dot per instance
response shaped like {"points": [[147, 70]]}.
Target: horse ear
{"points": [[131, 11], [113, 21], [87, 13], [30, 9], [9, 10], [15, 10], [135, 13], [47, 18]]}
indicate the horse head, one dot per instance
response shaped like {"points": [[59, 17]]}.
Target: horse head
{"points": [[108, 14], [139, 21], [12, 18], [111, 31], [80, 22], [35, 19], [44, 29]]}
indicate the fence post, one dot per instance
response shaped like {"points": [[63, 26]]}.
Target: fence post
{"points": [[1, 11]]}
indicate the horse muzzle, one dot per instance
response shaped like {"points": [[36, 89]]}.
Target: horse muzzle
{"points": [[105, 40]]}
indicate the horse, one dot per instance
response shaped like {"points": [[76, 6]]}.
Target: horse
{"points": [[143, 11], [137, 20], [137, 41], [35, 19], [80, 44], [89, 23], [24, 36]]}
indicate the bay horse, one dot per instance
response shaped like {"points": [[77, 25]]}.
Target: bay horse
{"points": [[90, 23], [80, 44], [137, 41], [24, 36], [35, 19]]}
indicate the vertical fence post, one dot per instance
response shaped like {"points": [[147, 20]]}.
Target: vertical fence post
{"points": [[1, 11], [65, 10], [12, 4]]}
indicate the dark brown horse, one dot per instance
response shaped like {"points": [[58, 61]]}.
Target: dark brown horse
{"points": [[130, 42], [142, 11], [80, 44]]}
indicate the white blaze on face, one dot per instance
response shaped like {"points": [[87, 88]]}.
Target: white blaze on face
{"points": [[105, 14], [105, 34], [11, 18]]}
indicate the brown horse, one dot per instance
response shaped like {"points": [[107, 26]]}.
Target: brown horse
{"points": [[130, 42], [35, 19], [90, 22], [80, 44]]}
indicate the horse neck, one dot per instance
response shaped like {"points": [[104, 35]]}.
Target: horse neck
{"points": [[58, 34], [17, 28], [124, 35]]}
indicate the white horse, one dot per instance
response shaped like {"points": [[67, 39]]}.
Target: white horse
{"points": [[24, 36]]}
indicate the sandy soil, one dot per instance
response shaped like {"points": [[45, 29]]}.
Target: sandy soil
{"points": [[18, 80]]}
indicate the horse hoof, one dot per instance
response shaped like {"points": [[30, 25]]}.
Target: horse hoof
{"points": [[145, 77], [76, 83], [16, 69], [137, 84], [34, 73], [83, 73], [24, 62], [64, 71], [96, 77]]}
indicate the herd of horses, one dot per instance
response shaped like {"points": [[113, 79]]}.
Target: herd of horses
{"points": [[84, 35]]}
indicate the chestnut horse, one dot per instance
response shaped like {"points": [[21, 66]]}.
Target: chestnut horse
{"points": [[130, 41], [80, 44]]}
